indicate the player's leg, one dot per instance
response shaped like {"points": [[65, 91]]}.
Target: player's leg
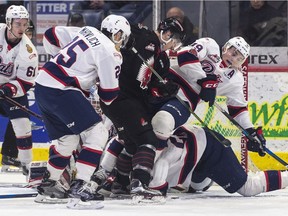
{"points": [[221, 165], [119, 179], [66, 127], [264, 182], [141, 133], [22, 128], [113, 150], [61, 150], [170, 116], [185, 148], [134, 120], [107, 173], [168, 157], [223, 160], [9, 149]]}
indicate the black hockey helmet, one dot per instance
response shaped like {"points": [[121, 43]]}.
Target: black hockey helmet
{"points": [[173, 25]]}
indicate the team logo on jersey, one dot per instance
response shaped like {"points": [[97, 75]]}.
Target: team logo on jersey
{"points": [[150, 47], [207, 66], [144, 75], [6, 69], [29, 48]]}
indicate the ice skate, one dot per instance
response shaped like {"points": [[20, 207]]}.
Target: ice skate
{"points": [[51, 191], [10, 164], [105, 187], [10, 161], [100, 176], [142, 194], [83, 195], [119, 191]]}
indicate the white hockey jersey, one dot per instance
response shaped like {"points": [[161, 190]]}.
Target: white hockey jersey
{"points": [[55, 38], [203, 57], [90, 57], [169, 167], [18, 64]]}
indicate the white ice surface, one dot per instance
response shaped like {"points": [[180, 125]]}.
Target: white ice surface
{"points": [[213, 202]]}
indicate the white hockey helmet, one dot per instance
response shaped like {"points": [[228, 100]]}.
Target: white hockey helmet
{"points": [[115, 23], [240, 44], [16, 12]]}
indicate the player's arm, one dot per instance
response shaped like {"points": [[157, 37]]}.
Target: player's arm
{"points": [[108, 71], [237, 107], [165, 88], [191, 69]]}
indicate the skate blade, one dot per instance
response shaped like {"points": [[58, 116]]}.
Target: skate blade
{"points": [[104, 192], [10, 169], [141, 200], [75, 203], [120, 196], [48, 200]]}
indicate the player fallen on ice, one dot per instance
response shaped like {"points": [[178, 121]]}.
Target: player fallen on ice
{"points": [[193, 153]]}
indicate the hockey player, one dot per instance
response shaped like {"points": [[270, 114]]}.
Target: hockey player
{"points": [[19, 67], [30, 30], [194, 154], [9, 149], [61, 93], [130, 112], [199, 70]]}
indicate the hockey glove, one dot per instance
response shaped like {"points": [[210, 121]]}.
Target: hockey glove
{"points": [[259, 142], [8, 90], [166, 88], [208, 88]]}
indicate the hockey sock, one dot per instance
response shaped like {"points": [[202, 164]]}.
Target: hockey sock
{"points": [[273, 180], [110, 156], [124, 167], [24, 146], [143, 162]]}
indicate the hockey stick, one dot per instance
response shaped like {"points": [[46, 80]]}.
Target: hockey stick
{"points": [[9, 185], [15, 103], [23, 195], [225, 142], [245, 132]]}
